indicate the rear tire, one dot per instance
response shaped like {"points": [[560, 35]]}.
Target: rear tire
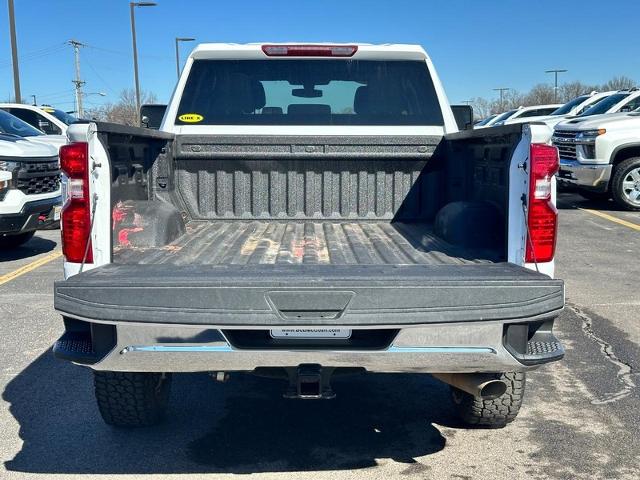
{"points": [[13, 241], [625, 184], [496, 413], [129, 399]]}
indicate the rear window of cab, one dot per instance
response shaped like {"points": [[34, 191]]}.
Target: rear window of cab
{"points": [[309, 92]]}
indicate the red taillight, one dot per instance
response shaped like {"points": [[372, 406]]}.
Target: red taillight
{"points": [[76, 212], [309, 50], [542, 214]]}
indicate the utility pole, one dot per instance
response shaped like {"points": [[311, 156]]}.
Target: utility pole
{"points": [[132, 6], [555, 87], [501, 90], [78, 83], [14, 53], [178, 40]]}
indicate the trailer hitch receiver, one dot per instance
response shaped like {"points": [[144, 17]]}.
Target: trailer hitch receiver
{"points": [[309, 381]]}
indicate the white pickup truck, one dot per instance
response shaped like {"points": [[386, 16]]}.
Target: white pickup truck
{"points": [[571, 109], [304, 211], [600, 157], [49, 120], [29, 188]]}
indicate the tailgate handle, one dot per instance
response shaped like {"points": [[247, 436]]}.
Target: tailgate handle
{"points": [[291, 305], [291, 314]]}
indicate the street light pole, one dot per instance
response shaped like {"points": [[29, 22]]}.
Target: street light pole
{"points": [[132, 6], [14, 53], [501, 90], [555, 87], [180, 39]]}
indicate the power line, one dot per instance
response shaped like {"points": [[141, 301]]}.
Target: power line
{"points": [[35, 55], [126, 54], [62, 93], [70, 102], [104, 82]]}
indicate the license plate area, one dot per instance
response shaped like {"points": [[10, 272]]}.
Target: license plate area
{"points": [[359, 339], [313, 333], [56, 213]]}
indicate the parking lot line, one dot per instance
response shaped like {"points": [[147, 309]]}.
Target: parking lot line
{"points": [[611, 218], [7, 277]]}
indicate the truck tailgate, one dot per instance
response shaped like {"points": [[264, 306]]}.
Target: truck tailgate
{"points": [[308, 295]]}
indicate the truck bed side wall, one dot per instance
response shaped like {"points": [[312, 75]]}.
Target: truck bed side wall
{"points": [[141, 166], [478, 164]]}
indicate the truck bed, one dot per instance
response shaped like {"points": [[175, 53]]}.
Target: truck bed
{"points": [[248, 234], [306, 242]]}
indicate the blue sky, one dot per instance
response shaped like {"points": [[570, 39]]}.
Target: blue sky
{"points": [[476, 45]]}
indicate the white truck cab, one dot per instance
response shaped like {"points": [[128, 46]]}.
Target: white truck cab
{"points": [[29, 188], [51, 121], [12, 125], [623, 101], [526, 113], [600, 157], [572, 108]]}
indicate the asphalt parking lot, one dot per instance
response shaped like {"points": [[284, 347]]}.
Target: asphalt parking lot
{"points": [[580, 419]]}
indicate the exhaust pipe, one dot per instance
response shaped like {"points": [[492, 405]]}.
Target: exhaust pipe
{"points": [[482, 385]]}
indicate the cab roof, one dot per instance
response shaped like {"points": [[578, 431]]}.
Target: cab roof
{"points": [[254, 51]]}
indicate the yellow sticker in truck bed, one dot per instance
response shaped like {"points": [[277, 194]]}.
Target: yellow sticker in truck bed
{"points": [[190, 118]]}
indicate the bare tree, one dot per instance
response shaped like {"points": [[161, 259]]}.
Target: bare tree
{"points": [[619, 83], [482, 107], [569, 91], [541, 94], [510, 99], [124, 111]]}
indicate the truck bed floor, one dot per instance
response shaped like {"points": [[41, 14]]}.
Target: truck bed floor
{"points": [[305, 242]]}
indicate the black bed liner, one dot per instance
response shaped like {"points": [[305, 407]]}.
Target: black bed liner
{"points": [[327, 242], [283, 295]]}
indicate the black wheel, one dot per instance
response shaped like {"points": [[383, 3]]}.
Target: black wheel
{"points": [[595, 196], [128, 399], [495, 413], [13, 241], [625, 184]]}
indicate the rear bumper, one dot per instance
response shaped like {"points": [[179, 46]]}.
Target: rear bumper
{"points": [[452, 348], [418, 318], [575, 174]]}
